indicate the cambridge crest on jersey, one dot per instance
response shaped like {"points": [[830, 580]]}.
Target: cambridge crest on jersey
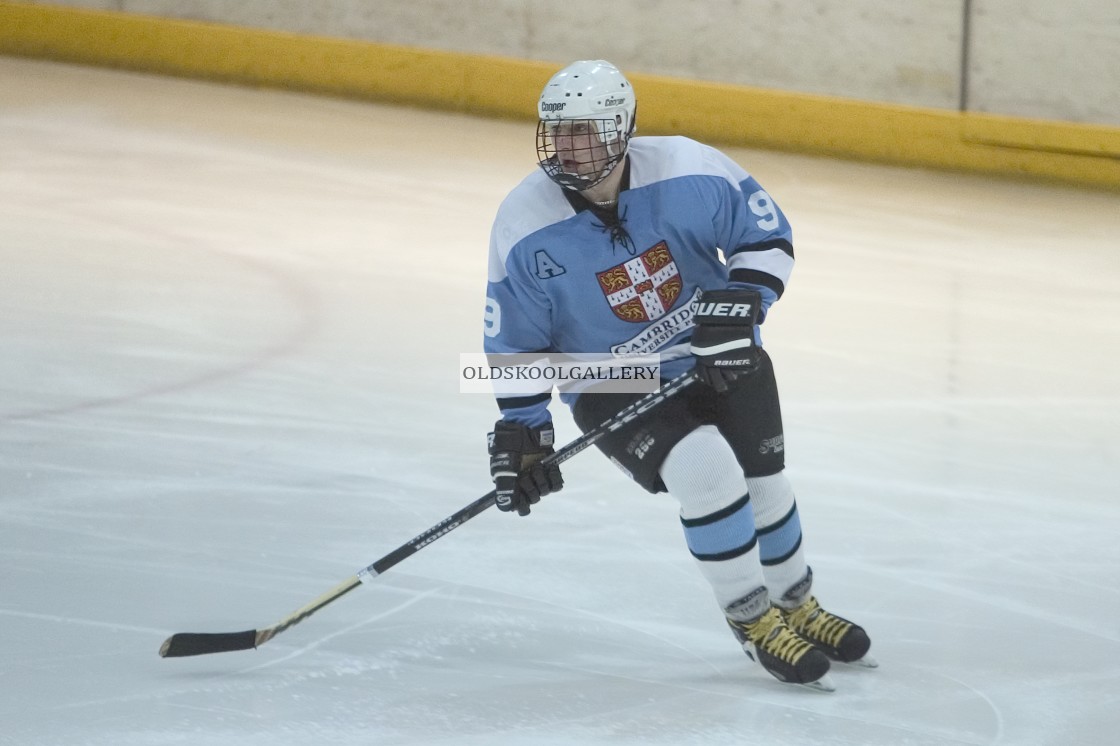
{"points": [[643, 288]]}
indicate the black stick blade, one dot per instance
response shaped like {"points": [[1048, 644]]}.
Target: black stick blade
{"points": [[182, 644]]}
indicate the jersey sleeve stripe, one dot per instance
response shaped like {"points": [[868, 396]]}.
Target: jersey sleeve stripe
{"points": [[769, 267], [522, 402], [776, 243], [754, 278]]}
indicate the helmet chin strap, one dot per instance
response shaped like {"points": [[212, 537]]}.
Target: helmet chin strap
{"points": [[587, 183], [604, 192]]}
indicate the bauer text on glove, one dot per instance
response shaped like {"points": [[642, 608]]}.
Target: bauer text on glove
{"points": [[723, 339]]}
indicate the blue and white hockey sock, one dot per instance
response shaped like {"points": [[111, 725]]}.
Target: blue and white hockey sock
{"points": [[779, 538], [701, 472]]}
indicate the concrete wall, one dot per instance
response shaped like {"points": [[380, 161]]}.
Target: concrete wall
{"points": [[1041, 59], [1046, 59]]}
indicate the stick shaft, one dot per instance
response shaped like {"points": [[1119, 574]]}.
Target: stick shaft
{"points": [[193, 643]]}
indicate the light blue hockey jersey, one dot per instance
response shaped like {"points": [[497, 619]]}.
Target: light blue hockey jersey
{"points": [[565, 277]]}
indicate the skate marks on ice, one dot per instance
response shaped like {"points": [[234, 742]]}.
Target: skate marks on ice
{"points": [[466, 663]]}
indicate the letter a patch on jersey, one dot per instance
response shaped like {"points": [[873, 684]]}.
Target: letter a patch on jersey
{"points": [[547, 267], [644, 288]]}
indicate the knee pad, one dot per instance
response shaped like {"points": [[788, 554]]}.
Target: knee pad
{"points": [[701, 472]]}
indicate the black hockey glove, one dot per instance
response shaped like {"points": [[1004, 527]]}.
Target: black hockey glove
{"points": [[723, 340], [519, 478]]}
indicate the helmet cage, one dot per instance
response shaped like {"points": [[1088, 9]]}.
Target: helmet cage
{"points": [[579, 153]]}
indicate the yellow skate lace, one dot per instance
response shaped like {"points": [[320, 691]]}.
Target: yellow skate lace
{"points": [[810, 620], [772, 634]]}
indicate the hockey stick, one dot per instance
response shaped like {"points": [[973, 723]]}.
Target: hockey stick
{"points": [[182, 644]]}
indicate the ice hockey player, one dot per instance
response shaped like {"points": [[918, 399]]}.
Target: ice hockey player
{"points": [[614, 246]]}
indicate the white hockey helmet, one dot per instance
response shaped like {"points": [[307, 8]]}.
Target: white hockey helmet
{"points": [[595, 94]]}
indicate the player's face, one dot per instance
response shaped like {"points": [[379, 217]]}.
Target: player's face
{"points": [[578, 147]]}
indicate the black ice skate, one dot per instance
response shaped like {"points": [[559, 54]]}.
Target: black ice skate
{"points": [[838, 638], [769, 641]]}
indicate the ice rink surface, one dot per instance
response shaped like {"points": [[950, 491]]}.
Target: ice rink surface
{"points": [[231, 323]]}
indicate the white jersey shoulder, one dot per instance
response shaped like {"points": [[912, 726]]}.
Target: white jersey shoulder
{"points": [[535, 203], [654, 159]]}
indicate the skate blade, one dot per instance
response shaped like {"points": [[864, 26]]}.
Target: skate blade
{"points": [[867, 661], [823, 684]]}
